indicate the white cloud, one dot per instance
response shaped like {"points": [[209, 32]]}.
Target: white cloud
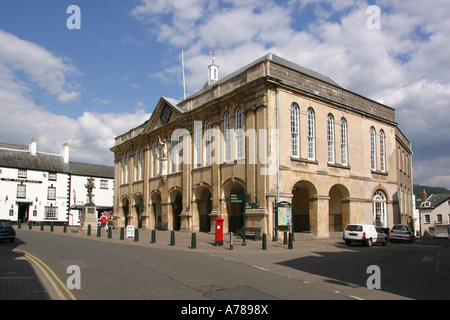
{"points": [[102, 101], [402, 64], [90, 136], [40, 66], [94, 134]]}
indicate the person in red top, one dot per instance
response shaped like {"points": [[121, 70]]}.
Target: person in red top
{"points": [[103, 221]]}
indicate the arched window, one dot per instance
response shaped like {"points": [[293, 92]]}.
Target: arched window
{"points": [[330, 138], [127, 168], [198, 144], [295, 144], [180, 150], [379, 208], [227, 130], [344, 142], [239, 132], [373, 149], [311, 132], [382, 151], [207, 138], [136, 165], [159, 158], [154, 160], [141, 164], [123, 168]]}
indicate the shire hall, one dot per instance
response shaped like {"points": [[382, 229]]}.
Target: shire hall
{"points": [[274, 131]]}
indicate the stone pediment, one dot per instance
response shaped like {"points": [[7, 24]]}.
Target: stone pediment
{"points": [[165, 112]]}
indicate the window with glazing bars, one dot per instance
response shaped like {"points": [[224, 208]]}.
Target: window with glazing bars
{"points": [[295, 145]]}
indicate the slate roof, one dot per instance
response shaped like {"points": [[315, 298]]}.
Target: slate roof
{"points": [[18, 156], [435, 200], [280, 61], [91, 170]]}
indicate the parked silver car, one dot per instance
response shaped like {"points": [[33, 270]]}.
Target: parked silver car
{"points": [[401, 232]]}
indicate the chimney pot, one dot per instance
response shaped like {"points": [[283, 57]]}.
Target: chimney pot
{"points": [[32, 147], [65, 152]]}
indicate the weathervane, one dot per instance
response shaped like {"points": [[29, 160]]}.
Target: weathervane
{"points": [[213, 53]]}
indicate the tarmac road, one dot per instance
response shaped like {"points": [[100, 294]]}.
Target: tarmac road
{"points": [[315, 269], [121, 271]]}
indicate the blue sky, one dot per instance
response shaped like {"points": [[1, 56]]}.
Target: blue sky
{"points": [[87, 86]]}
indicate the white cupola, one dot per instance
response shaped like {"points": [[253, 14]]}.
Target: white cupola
{"points": [[213, 69]]}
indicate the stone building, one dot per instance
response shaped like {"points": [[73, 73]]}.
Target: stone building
{"points": [[275, 131]]}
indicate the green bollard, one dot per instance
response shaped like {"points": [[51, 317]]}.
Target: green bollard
{"points": [[193, 241], [109, 233], [285, 240], [172, 238], [121, 234], [29, 225], [42, 227], [153, 240], [264, 242], [99, 232], [51, 227], [89, 230], [19, 224], [136, 235], [291, 241], [65, 228]]}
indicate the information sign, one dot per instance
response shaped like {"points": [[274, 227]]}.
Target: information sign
{"points": [[252, 205], [234, 198], [130, 231], [284, 214]]}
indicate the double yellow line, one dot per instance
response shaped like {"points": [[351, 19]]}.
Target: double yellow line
{"points": [[60, 288]]}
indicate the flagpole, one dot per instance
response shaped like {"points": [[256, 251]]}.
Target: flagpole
{"points": [[184, 78]]}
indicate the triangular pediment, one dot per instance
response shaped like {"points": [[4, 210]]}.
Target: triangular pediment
{"points": [[165, 112]]}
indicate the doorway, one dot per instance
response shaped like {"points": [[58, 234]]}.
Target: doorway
{"points": [[234, 209], [204, 209], [177, 208], [24, 210]]}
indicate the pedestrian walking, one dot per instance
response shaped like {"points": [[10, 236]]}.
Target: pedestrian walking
{"points": [[103, 221], [110, 220]]}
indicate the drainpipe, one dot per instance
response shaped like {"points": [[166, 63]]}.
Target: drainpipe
{"points": [[278, 144], [277, 135]]}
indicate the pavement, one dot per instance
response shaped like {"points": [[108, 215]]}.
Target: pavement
{"points": [[23, 277], [205, 242]]}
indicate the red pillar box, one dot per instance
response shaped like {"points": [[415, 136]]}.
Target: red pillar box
{"points": [[219, 232]]}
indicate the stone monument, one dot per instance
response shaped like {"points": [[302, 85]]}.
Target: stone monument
{"points": [[90, 211]]}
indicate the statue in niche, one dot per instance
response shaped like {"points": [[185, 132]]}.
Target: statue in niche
{"points": [[163, 145]]}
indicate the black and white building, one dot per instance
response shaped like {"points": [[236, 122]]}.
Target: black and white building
{"points": [[43, 187]]}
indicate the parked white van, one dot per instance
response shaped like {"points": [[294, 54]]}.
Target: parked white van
{"points": [[365, 234]]}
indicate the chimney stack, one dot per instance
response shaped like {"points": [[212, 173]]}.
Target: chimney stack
{"points": [[32, 148], [424, 196], [65, 152]]}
